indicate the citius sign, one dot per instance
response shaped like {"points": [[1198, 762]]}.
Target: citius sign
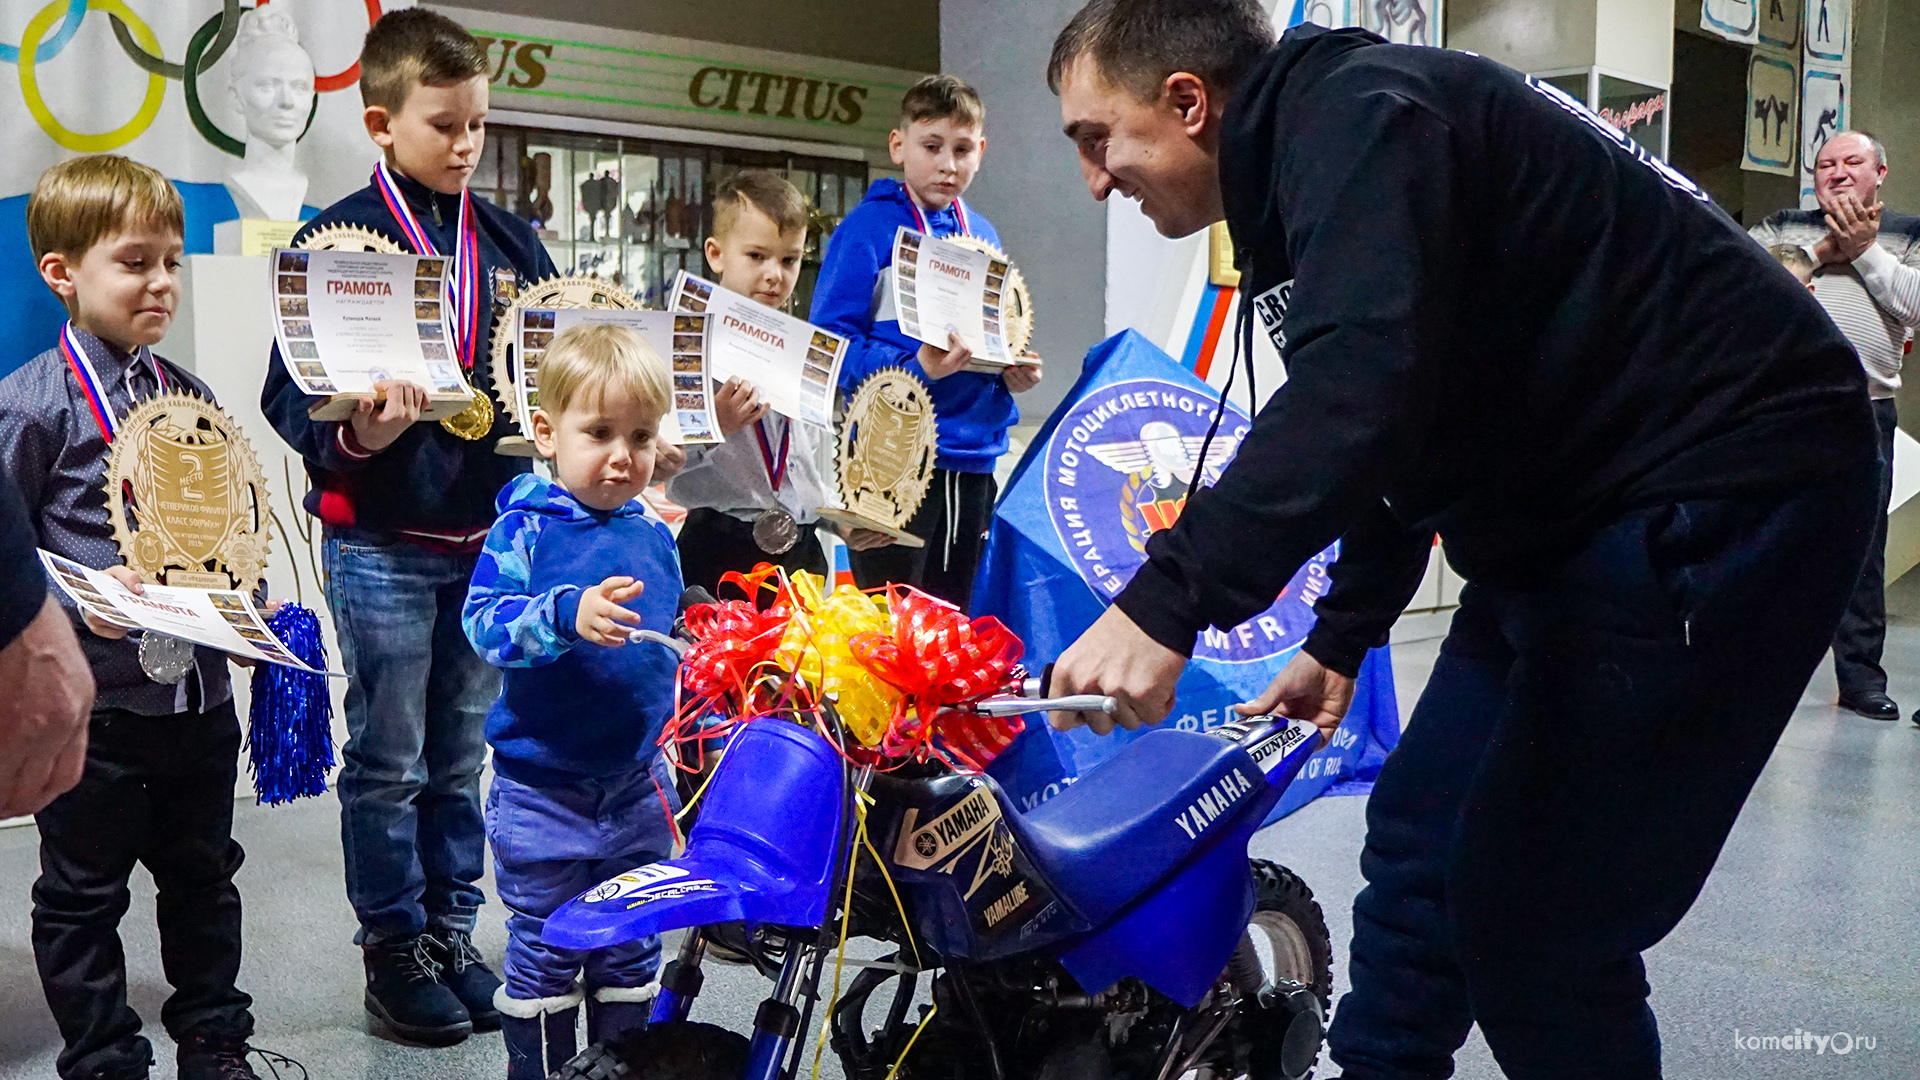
{"points": [[770, 93], [545, 66]]}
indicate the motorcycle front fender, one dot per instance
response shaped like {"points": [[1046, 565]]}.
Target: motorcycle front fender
{"points": [[764, 851]]}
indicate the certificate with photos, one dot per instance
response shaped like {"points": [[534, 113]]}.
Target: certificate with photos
{"points": [[218, 618], [679, 338], [346, 320], [941, 288], [793, 363]]}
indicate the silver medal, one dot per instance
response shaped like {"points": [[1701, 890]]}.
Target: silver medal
{"points": [[165, 659], [775, 532]]}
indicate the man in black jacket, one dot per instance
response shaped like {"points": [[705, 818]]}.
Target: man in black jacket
{"points": [[1640, 438]]}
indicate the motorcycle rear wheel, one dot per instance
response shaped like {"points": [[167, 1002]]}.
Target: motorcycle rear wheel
{"points": [[684, 1051]]}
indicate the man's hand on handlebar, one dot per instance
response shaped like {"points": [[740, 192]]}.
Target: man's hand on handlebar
{"points": [[1116, 658], [1307, 690]]}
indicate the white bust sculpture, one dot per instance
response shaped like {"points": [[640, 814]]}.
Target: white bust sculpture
{"points": [[272, 86]]}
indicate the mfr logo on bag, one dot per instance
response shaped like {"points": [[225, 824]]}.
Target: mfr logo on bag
{"points": [[1118, 470]]}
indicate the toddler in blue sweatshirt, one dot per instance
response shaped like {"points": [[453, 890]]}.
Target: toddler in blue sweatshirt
{"points": [[580, 793], [937, 144]]}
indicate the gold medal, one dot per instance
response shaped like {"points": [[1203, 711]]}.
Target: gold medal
{"points": [[473, 422]]}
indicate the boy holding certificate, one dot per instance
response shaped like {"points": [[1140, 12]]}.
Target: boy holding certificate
{"points": [[404, 508], [580, 791], [164, 742], [755, 497], [937, 143]]}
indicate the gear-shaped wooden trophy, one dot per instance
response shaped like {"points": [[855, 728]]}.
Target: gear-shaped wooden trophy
{"points": [[186, 496], [885, 459]]}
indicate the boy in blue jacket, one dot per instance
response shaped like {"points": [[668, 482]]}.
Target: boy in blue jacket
{"points": [[580, 792], [404, 506], [937, 144]]}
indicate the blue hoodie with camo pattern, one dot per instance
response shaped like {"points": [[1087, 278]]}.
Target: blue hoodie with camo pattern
{"points": [[569, 708]]}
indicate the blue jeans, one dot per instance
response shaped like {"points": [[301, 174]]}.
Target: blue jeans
{"points": [[1576, 761], [552, 842], [416, 714]]}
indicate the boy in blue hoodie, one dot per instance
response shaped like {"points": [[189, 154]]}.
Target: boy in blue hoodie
{"points": [[937, 144], [403, 507], [580, 792]]}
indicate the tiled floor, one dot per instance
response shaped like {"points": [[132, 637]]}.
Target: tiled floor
{"points": [[1808, 922]]}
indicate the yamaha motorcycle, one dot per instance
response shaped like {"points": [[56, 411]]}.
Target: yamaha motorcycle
{"points": [[1118, 930]]}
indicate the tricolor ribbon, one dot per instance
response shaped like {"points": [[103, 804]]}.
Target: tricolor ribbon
{"points": [[776, 467], [93, 388], [463, 287], [959, 213]]}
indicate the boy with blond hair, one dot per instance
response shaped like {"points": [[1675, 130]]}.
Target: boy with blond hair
{"points": [[580, 791], [157, 788], [769, 464], [403, 507], [937, 143]]}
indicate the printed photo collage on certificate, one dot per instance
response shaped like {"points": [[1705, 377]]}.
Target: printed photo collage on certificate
{"points": [[990, 312], [793, 364], [296, 324], [692, 390], [940, 287], [345, 320], [236, 612], [683, 341], [906, 261]]}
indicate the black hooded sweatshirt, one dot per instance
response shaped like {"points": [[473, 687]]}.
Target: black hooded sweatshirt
{"points": [[1500, 320]]}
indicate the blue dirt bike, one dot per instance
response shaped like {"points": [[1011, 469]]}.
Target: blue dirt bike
{"points": [[1118, 930]]}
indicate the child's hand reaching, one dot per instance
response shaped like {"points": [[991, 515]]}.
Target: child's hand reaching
{"points": [[601, 615]]}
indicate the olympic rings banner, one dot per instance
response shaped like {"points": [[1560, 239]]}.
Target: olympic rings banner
{"points": [[149, 79]]}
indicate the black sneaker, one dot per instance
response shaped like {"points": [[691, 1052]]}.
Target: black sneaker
{"points": [[466, 974], [405, 992], [215, 1056]]}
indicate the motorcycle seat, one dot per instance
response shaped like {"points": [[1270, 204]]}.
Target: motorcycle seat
{"points": [[1126, 825]]}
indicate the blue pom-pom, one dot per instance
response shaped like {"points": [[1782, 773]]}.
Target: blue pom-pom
{"points": [[290, 725]]}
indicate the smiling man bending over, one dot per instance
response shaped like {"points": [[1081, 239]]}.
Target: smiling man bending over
{"points": [[1641, 439]]}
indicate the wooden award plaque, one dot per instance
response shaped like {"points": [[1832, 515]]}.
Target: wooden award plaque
{"points": [[186, 496], [457, 412], [885, 460], [516, 388]]}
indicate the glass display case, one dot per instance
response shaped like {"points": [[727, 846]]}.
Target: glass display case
{"points": [[635, 211]]}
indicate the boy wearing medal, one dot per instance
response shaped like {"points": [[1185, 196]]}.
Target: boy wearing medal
{"points": [[163, 742], [404, 508], [580, 791], [755, 497], [937, 143]]}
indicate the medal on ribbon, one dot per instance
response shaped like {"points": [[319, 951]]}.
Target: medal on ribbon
{"points": [[463, 295], [774, 531]]}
